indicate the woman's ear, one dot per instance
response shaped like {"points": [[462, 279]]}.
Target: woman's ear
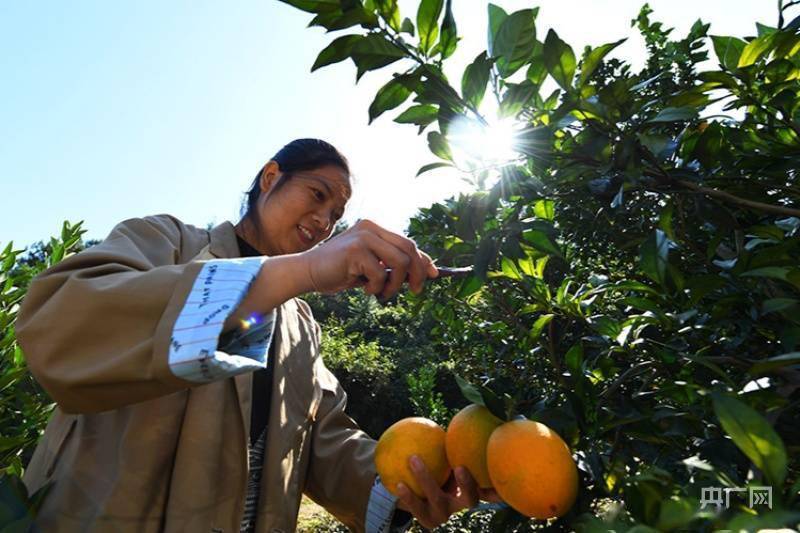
{"points": [[269, 176]]}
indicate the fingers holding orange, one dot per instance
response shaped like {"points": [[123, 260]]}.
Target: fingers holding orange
{"points": [[521, 462], [411, 436]]}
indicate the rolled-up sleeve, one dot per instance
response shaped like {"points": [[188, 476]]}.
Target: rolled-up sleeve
{"points": [[382, 513], [196, 351]]}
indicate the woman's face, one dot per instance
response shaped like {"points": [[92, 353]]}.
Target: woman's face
{"points": [[303, 211]]}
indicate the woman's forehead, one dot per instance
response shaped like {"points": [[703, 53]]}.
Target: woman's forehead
{"points": [[333, 179]]}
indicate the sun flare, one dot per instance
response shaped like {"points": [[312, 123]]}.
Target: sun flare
{"points": [[478, 146]]}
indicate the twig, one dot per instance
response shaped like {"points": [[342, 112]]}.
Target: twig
{"points": [[722, 195], [426, 67], [782, 8], [633, 371]]}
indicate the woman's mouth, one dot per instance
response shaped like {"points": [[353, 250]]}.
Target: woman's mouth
{"points": [[305, 235]]}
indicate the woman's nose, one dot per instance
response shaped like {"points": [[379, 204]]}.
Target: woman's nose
{"points": [[322, 221]]}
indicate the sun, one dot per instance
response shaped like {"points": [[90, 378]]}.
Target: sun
{"points": [[475, 145]]}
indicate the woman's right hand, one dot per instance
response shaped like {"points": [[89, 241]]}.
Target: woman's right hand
{"points": [[365, 251]]}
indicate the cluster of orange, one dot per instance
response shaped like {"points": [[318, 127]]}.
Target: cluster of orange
{"points": [[526, 462]]}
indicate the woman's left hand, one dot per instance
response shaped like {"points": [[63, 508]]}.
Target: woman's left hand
{"points": [[460, 492]]}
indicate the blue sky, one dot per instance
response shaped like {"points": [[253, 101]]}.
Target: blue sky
{"points": [[112, 110]]}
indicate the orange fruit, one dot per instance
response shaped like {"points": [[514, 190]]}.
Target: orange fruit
{"points": [[466, 439], [532, 469], [411, 436]]}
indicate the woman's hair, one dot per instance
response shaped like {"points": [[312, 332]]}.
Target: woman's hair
{"points": [[298, 155]]}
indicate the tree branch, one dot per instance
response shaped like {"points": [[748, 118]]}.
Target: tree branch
{"points": [[730, 198]]}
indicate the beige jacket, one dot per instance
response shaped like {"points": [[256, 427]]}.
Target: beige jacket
{"points": [[132, 447]]}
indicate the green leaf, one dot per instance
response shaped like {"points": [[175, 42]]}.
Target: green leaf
{"points": [[339, 50], [764, 29], [660, 145], [495, 405], [574, 359], [544, 209], [390, 12], [516, 98], [439, 146], [665, 220], [407, 26], [676, 513], [448, 39], [475, 79], [469, 286], [635, 286], [768, 272], [514, 41], [418, 114], [428, 23], [777, 304], [469, 391], [510, 269], [787, 45], [496, 17], [432, 166], [390, 96], [481, 395], [754, 436], [559, 59], [339, 20], [541, 241], [779, 361], [755, 49], [314, 6], [421, 115], [539, 325], [372, 52], [729, 50], [674, 114], [593, 59], [654, 254], [537, 71]]}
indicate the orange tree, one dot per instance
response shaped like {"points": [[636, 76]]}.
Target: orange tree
{"points": [[636, 261]]}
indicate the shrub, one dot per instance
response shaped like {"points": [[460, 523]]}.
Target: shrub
{"points": [[24, 407]]}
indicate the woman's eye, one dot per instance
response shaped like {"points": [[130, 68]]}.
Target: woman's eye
{"points": [[319, 195]]}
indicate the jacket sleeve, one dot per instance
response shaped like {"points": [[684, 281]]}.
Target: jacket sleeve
{"points": [[124, 321], [342, 468]]}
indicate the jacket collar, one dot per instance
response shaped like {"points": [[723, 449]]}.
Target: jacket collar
{"points": [[222, 241]]}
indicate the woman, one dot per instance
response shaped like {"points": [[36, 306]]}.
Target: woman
{"points": [[181, 361]]}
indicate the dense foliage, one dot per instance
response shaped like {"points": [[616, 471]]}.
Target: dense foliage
{"points": [[24, 407], [382, 356], [636, 261]]}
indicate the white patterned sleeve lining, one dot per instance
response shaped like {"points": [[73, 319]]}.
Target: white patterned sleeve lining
{"points": [[380, 510], [197, 351]]}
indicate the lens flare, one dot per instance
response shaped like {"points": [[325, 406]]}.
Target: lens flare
{"points": [[249, 322]]}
